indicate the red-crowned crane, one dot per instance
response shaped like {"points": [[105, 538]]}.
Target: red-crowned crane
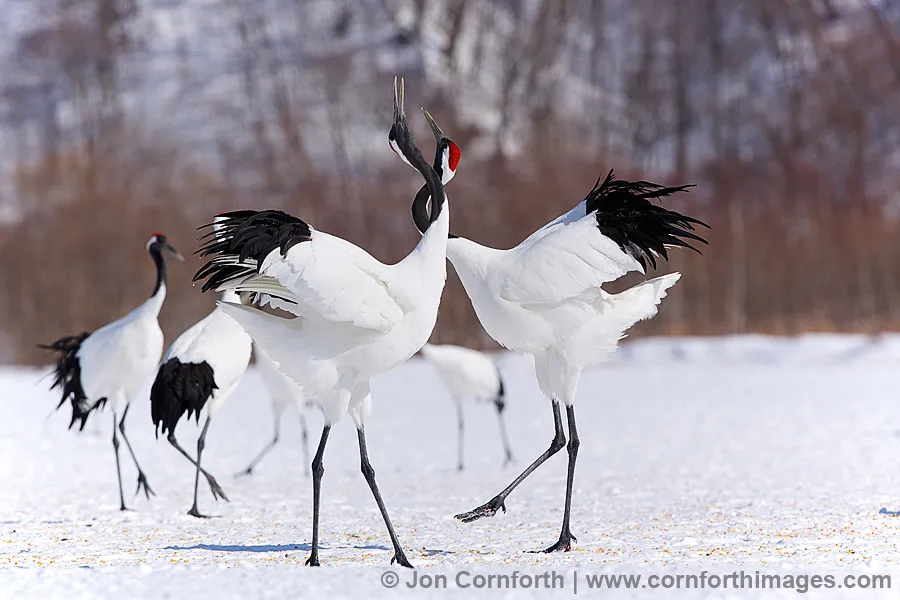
{"points": [[201, 369], [545, 297], [285, 395], [355, 318], [114, 363], [468, 373]]}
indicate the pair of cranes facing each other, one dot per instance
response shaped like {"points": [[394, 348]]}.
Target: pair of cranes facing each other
{"points": [[355, 317]]}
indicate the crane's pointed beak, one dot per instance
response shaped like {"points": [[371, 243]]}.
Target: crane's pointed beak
{"points": [[399, 93], [435, 129], [174, 252]]}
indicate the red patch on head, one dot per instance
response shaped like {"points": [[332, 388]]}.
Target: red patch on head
{"points": [[455, 155], [158, 234]]}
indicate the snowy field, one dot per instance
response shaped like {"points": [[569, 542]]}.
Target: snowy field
{"points": [[746, 453]]}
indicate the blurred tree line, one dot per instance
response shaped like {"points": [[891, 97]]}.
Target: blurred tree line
{"points": [[123, 117]]}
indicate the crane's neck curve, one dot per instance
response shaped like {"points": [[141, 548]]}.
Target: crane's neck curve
{"points": [[420, 213]]}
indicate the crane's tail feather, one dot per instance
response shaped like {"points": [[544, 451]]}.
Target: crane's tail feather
{"points": [[268, 334], [640, 302], [178, 388], [67, 376]]}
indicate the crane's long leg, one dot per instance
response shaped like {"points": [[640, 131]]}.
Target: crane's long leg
{"points": [[142, 478], [115, 442], [317, 471], [369, 473], [201, 444], [490, 508], [214, 487], [459, 435], [507, 449], [304, 438], [565, 535], [265, 450]]}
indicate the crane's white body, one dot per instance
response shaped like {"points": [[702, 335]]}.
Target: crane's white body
{"points": [[355, 316], [544, 297], [283, 391], [467, 373], [118, 359], [220, 342]]}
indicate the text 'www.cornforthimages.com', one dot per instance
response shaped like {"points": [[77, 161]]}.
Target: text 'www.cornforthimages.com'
{"points": [[583, 581]]}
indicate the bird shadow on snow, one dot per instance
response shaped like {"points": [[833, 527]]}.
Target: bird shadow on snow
{"points": [[238, 548], [265, 548]]}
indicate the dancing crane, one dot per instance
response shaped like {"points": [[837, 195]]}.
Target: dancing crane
{"points": [[355, 317], [545, 297]]}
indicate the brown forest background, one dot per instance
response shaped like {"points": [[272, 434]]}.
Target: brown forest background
{"points": [[785, 113]]}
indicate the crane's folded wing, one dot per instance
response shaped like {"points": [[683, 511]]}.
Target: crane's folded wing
{"points": [[569, 260], [336, 280]]}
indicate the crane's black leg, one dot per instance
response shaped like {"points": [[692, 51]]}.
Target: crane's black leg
{"points": [[264, 451], [304, 438], [115, 441], [507, 450], [201, 444], [317, 471], [369, 473], [459, 435], [214, 487], [142, 479], [490, 508], [565, 535]]}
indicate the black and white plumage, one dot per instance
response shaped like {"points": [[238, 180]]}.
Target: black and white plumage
{"points": [[468, 373], [200, 370], [545, 296], [284, 395], [355, 317], [112, 364]]}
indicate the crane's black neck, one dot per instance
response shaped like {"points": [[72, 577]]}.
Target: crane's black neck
{"points": [[420, 214], [434, 187], [160, 262]]}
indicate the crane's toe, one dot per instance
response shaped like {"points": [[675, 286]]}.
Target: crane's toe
{"points": [[400, 559], [216, 489], [142, 483], [196, 513], [563, 545], [488, 509]]}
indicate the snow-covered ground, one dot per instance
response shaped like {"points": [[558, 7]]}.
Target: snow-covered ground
{"points": [[749, 453]]}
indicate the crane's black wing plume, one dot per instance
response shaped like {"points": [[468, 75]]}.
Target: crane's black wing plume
{"points": [[240, 240], [180, 387], [68, 377], [644, 230]]}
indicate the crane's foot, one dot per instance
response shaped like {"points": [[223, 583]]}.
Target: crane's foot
{"points": [[563, 545], [216, 489], [488, 509], [313, 560], [400, 559], [142, 483], [196, 513]]}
